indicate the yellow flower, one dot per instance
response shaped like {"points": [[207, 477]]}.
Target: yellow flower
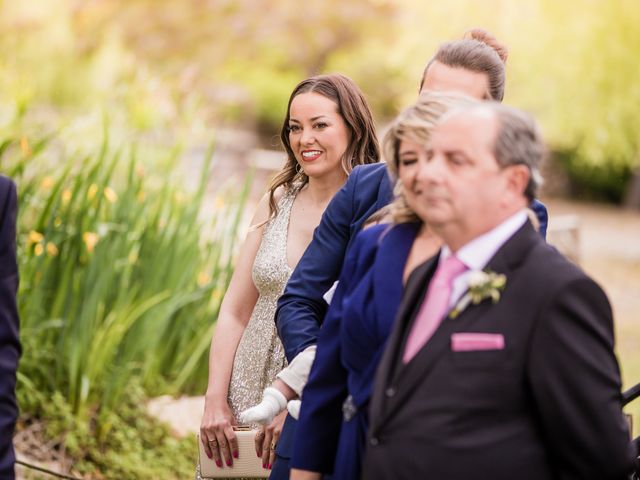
{"points": [[34, 237], [52, 249], [24, 146], [57, 222], [39, 250], [91, 193], [47, 183], [110, 195], [66, 196], [90, 239], [203, 279]]}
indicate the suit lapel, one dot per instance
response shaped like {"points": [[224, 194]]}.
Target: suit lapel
{"points": [[388, 269], [411, 300], [407, 377]]}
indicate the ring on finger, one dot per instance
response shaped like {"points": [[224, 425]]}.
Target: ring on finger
{"points": [[273, 445], [214, 443]]}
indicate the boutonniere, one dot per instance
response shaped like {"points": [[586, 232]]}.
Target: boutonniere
{"points": [[482, 285]]}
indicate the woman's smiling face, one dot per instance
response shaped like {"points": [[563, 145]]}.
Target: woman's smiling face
{"points": [[318, 134]]}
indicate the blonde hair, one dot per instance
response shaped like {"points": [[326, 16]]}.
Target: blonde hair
{"points": [[413, 124]]}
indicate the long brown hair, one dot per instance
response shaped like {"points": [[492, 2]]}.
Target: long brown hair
{"points": [[477, 51], [353, 108]]}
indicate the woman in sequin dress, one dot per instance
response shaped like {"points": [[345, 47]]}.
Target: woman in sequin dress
{"points": [[325, 115]]}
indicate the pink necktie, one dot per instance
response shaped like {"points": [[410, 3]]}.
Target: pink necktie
{"points": [[434, 307]]}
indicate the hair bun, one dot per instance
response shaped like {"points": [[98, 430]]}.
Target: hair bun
{"points": [[485, 37]]}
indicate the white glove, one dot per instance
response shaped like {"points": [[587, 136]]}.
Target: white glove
{"points": [[273, 402], [294, 408]]}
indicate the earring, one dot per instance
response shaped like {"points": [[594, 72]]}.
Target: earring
{"points": [[299, 170]]}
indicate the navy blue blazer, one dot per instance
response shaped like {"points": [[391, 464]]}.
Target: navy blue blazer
{"points": [[9, 340], [301, 308], [351, 343]]}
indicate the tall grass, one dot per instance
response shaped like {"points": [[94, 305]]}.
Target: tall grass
{"points": [[122, 274]]}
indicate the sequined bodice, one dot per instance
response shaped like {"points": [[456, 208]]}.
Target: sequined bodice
{"points": [[260, 354], [271, 271]]}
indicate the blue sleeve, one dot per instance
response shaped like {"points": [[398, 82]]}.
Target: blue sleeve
{"points": [[541, 213], [301, 308], [320, 419], [9, 324]]}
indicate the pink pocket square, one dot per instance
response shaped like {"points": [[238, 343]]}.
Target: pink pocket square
{"points": [[469, 342]]}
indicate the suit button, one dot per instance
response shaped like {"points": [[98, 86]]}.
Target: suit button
{"points": [[390, 392], [374, 441]]}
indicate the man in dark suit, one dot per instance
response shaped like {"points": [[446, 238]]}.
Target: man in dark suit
{"points": [[502, 375], [9, 341]]}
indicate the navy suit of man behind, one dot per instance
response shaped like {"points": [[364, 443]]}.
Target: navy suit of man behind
{"points": [[9, 341]]}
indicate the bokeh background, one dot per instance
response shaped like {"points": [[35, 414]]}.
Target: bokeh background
{"points": [[140, 132]]}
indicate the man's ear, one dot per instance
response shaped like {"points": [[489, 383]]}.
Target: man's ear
{"points": [[517, 177]]}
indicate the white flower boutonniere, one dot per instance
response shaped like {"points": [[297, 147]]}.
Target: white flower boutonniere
{"points": [[482, 285]]}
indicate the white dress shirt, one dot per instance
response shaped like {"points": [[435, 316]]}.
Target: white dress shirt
{"points": [[477, 253]]}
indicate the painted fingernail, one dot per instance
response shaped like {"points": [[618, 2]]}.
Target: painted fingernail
{"points": [[235, 454], [270, 466], [259, 454], [229, 463], [219, 463], [264, 465]]}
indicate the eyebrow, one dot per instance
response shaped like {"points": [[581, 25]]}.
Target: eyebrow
{"points": [[454, 151], [291, 119]]}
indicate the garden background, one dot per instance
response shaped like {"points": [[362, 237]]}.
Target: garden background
{"points": [[141, 132]]}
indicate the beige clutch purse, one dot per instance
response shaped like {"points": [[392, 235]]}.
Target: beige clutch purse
{"points": [[247, 465]]}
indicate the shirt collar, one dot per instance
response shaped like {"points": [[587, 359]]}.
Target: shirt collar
{"points": [[477, 253]]}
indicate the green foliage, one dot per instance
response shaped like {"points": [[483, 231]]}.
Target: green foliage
{"points": [[190, 63], [269, 88], [581, 80], [116, 445], [606, 182], [121, 277]]}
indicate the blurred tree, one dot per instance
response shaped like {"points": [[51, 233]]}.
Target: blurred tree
{"points": [[193, 64], [580, 77], [263, 46]]}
